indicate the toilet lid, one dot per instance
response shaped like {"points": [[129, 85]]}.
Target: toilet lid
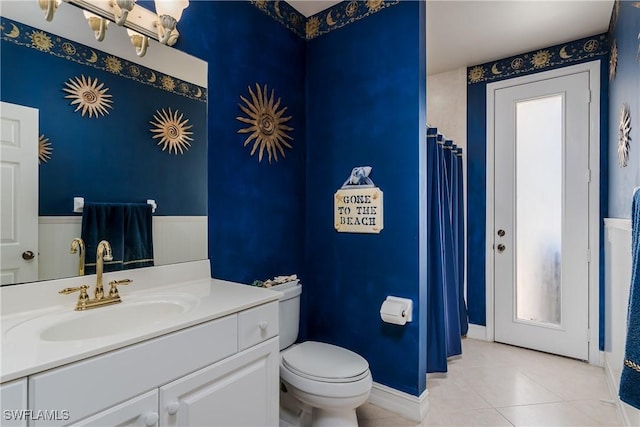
{"points": [[325, 362]]}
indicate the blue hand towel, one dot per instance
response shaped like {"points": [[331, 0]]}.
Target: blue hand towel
{"points": [[138, 236], [128, 229], [630, 379], [103, 221]]}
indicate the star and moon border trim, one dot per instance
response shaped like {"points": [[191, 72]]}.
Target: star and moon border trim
{"points": [[33, 38], [566, 53], [328, 20]]}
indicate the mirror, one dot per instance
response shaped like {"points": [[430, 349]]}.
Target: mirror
{"points": [[106, 151]]}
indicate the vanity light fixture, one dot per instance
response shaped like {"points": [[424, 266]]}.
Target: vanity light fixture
{"points": [[122, 9], [169, 13], [140, 42], [97, 24], [159, 26], [49, 8]]}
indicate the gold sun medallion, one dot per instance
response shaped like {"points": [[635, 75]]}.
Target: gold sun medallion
{"points": [[172, 131], [267, 126], [41, 41], [476, 74], [88, 95], [44, 149], [541, 58], [312, 27], [374, 5], [168, 83], [113, 64]]}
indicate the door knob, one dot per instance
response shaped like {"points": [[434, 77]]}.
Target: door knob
{"points": [[501, 233], [501, 248], [27, 255]]}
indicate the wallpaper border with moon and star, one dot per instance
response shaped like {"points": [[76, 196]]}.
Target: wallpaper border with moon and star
{"points": [[579, 50], [33, 38], [335, 17]]}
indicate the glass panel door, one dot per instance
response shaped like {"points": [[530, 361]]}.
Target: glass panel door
{"points": [[539, 142]]}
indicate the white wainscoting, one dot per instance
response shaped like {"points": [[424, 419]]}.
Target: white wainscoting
{"points": [[175, 239], [617, 285]]}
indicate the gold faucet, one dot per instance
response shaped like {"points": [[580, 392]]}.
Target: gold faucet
{"points": [[77, 245], [103, 253], [85, 303]]}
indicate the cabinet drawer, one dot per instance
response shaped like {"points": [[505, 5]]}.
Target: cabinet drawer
{"points": [[257, 324]]}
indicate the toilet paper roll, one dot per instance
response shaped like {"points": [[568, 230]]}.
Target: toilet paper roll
{"points": [[393, 312]]}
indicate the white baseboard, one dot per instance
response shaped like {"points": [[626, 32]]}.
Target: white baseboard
{"points": [[477, 332], [611, 382], [406, 405]]}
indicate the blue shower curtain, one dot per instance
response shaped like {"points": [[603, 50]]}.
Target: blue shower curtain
{"points": [[446, 311]]}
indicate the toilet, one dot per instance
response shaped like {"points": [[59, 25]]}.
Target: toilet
{"points": [[321, 384]]}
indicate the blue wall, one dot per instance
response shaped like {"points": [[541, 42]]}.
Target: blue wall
{"points": [[366, 106], [625, 88], [583, 50], [256, 209], [112, 158]]}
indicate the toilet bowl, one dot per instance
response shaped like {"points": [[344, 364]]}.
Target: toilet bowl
{"points": [[323, 382]]}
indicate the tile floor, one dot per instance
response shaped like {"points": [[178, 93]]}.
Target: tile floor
{"points": [[499, 385]]}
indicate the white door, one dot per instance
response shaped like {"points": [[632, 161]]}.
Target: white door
{"points": [[541, 240], [19, 197]]}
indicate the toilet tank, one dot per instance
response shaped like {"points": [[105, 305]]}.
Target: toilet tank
{"points": [[289, 312]]}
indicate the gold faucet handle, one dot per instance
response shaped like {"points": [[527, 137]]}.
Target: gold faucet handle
{"points": [[83, 298], [67, 291], [113, 290]]}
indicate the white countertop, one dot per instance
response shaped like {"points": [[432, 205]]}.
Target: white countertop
{"points": [[23, 353]]}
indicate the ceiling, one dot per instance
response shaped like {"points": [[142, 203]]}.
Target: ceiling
{"points": [[463, 33]]}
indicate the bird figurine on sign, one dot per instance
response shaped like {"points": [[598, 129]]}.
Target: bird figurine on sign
{"points": [[359, 177]]}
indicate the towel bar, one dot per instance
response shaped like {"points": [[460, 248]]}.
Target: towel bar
{"points": [[78, 204]]}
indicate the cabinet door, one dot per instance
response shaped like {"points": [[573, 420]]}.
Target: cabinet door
{"points": [[13, 400], [141, 411], [241, 390]]}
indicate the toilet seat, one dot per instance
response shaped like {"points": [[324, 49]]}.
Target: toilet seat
{"points": [[326, 363], [331, 380]]}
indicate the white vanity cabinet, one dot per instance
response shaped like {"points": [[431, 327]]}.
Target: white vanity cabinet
{"points": [[204, 375], [13, 400]]}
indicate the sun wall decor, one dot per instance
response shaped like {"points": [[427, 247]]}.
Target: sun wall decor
{"points": [[172, 130], [267, 129], [613, 60], [44, 149], [624, 139], [88, 95]]}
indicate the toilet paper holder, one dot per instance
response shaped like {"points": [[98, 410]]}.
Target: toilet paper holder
{"points": [[396, 310]]}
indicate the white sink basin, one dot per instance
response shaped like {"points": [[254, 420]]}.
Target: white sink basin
{"points": [[105, 321]]}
